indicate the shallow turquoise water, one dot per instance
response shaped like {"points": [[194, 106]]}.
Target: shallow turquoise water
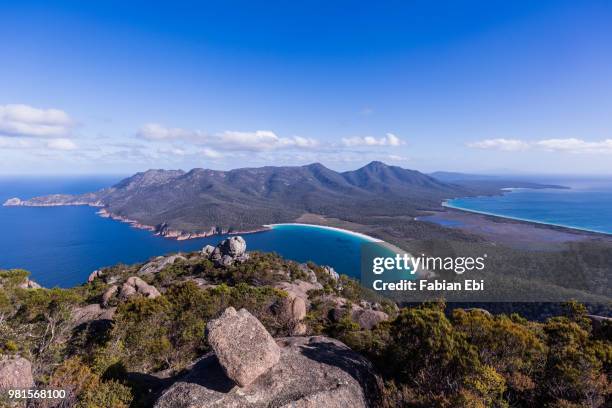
{"points": [[586, 206], [62, 245]]}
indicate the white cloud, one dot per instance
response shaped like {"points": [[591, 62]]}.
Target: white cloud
{"points": [[569, 145], [388, 140], [61, 144], [211, 154], [508, 145], [573, 145], [155, 131], [261, 140], [13, 143], [24, 120]]}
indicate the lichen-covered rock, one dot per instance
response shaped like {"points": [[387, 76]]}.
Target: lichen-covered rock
{"points": [[228, 251], [135, 285], [234, 246], [159, 263], [367, 318], [312, 372], [15, 372], [93, 312], [243, 346]]}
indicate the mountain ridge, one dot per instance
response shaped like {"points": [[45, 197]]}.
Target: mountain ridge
{"points": [[201, 202]]}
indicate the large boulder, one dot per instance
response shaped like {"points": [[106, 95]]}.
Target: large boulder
{"points": [[234, 246], [227, 252], [243, 346], [15, 372], [135, 285], [312, 372], [367, 318], [93, 312]]}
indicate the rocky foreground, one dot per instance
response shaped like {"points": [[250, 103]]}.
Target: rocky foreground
{"points": [[248, 368], [246, 365], [223, 327]]}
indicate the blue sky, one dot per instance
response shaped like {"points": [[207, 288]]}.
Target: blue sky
{"points": [[475, 86]]}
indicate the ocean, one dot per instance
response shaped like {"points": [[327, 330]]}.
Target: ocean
{"points": [[586, 205], [61, 246]]}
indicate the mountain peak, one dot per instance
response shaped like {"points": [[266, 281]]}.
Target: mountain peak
{"points": [[375, 164], [315, 165]]}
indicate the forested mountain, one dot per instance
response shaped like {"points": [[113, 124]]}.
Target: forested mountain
{"points": [[204, 200]]}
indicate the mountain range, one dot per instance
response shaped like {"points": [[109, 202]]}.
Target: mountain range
{"points": [[202, 202]]}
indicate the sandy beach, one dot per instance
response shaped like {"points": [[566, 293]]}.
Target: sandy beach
{"points": [[357, 234]]}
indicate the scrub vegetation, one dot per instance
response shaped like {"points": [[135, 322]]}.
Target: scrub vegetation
{"points": [[426, 355]]}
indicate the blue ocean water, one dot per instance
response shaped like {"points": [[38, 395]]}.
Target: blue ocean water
{"points": [[586, 205], [60, 246]]}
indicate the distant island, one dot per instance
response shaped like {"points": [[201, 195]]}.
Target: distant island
{"points": [[202, 202]]}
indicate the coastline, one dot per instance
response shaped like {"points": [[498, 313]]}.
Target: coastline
{"points": [[572, 228], [349, 232], [178, 235]]}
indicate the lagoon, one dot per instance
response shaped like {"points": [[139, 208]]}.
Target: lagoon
{"points": [[586, 205]]}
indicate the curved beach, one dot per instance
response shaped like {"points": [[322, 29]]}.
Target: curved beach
{"points": [[345, 231], [446, 204]]}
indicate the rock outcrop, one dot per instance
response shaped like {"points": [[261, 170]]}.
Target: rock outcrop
{"points": [[366, 314], [159, 263], [134, 285], [131, 287], [108, 295], [29, 284], [243, 346], [208, 250], [310, 372], [93, 312], [331, 272], [94, 275], [227, 252], [15, 372], [296, 304]]}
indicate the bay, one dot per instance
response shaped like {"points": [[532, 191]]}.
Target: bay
{"points": [[585, 205], [61, 246]]}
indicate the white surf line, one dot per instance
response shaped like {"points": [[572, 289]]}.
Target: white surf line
{"points": [[527, 220], [357, 234]]}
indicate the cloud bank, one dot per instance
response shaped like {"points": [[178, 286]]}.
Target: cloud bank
{"points": [[26, 121], [388, 140], [259, 140], [568, 145]]}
